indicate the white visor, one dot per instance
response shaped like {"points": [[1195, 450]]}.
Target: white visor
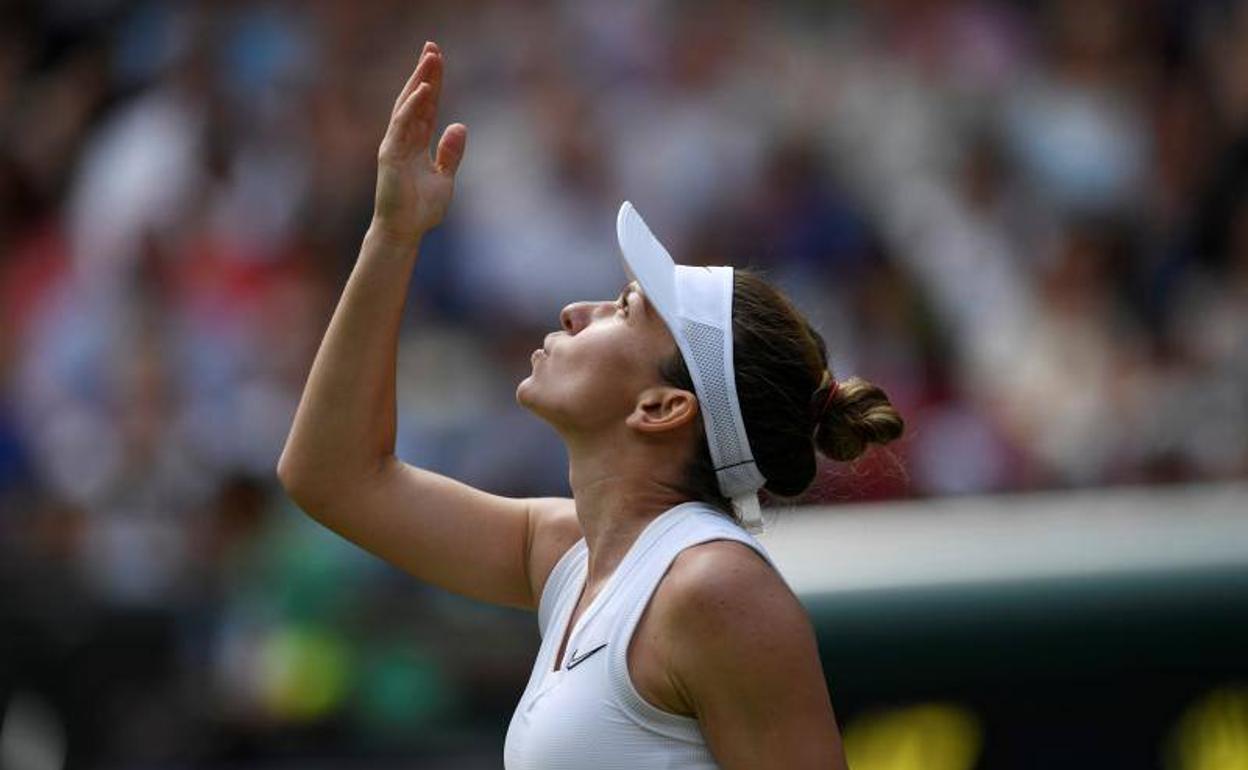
{"points": [[696, 305]]}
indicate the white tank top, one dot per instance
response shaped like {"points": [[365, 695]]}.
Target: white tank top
{"points": [[588, 714]]}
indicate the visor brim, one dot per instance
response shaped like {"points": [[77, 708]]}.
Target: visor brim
{"points": [[648, 263]]}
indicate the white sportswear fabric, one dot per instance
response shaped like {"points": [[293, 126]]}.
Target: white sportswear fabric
{"points": [[591, 717]]}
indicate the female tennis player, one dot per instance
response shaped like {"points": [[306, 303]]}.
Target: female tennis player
{"points": [[669, 638]]}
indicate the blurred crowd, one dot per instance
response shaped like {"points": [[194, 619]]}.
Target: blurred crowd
{"points": [[1026, 221]]}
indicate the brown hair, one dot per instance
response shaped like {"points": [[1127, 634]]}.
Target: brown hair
{"points": [[783, 380]]}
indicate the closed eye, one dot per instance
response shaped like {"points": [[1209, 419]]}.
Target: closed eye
{"points": [[622, 304]]}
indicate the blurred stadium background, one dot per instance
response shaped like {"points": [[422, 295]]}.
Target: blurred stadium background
{"points": [[1028, 221]]}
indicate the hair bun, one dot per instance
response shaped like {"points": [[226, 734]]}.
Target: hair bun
{"points": [[858, 415]]}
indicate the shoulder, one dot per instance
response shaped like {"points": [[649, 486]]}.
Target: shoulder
{"points": [[726, 587], [740, 655]]}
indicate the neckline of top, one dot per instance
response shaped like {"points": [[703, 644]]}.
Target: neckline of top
{"points": [[643, 542]]}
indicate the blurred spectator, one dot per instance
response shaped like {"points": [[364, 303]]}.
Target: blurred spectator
{"points": [[1027, 222]]}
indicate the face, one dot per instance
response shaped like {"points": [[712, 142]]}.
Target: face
{"points": [[592, 374]]}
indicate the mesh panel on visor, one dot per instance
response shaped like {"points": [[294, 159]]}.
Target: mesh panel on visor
{"points": [[707, 345]]}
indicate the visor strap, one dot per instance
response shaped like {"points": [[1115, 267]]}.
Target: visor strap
{"points": [[748, 511]]}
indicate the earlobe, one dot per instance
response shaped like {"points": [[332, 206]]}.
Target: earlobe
{"points": [[662, 409]]}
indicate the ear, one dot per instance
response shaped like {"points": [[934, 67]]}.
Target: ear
{"points": [[662, 409]]}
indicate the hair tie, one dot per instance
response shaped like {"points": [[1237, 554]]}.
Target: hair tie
{"points": [[833, 387]]}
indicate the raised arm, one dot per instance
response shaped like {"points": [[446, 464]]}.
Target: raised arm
{"points": [[339, 464]]}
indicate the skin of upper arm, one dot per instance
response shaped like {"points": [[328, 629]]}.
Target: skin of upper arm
{"points": [[446, 533], [743, 656]]}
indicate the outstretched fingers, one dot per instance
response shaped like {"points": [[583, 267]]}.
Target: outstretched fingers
{"points": [[415, 118], [435, 73], [415, 115], [419, 73]]}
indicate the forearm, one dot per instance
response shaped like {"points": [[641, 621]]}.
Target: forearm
{"points": [[344, 428]]}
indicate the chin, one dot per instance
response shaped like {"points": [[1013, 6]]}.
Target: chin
{"points": [[525, 395], [528, 396], [522, 391]]}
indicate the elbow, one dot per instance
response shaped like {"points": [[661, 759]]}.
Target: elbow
{"points": [[287, 469], [286, 473], [296, 480], [317, 486]]}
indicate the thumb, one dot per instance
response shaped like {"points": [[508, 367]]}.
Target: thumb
{"points": [[451, 148]]}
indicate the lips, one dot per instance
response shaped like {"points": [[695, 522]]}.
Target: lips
{"points": [[546, 342]]}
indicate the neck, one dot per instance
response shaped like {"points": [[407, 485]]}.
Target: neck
{"points": [[617, 494]]}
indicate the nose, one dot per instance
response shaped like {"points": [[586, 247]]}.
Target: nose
{"points": [[567, 318], [577, 316]]}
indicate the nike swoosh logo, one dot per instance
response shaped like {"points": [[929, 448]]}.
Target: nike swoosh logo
{"points": [[574, 661]]}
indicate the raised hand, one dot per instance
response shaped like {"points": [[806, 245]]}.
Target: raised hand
{"points": [[413, 189]]}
